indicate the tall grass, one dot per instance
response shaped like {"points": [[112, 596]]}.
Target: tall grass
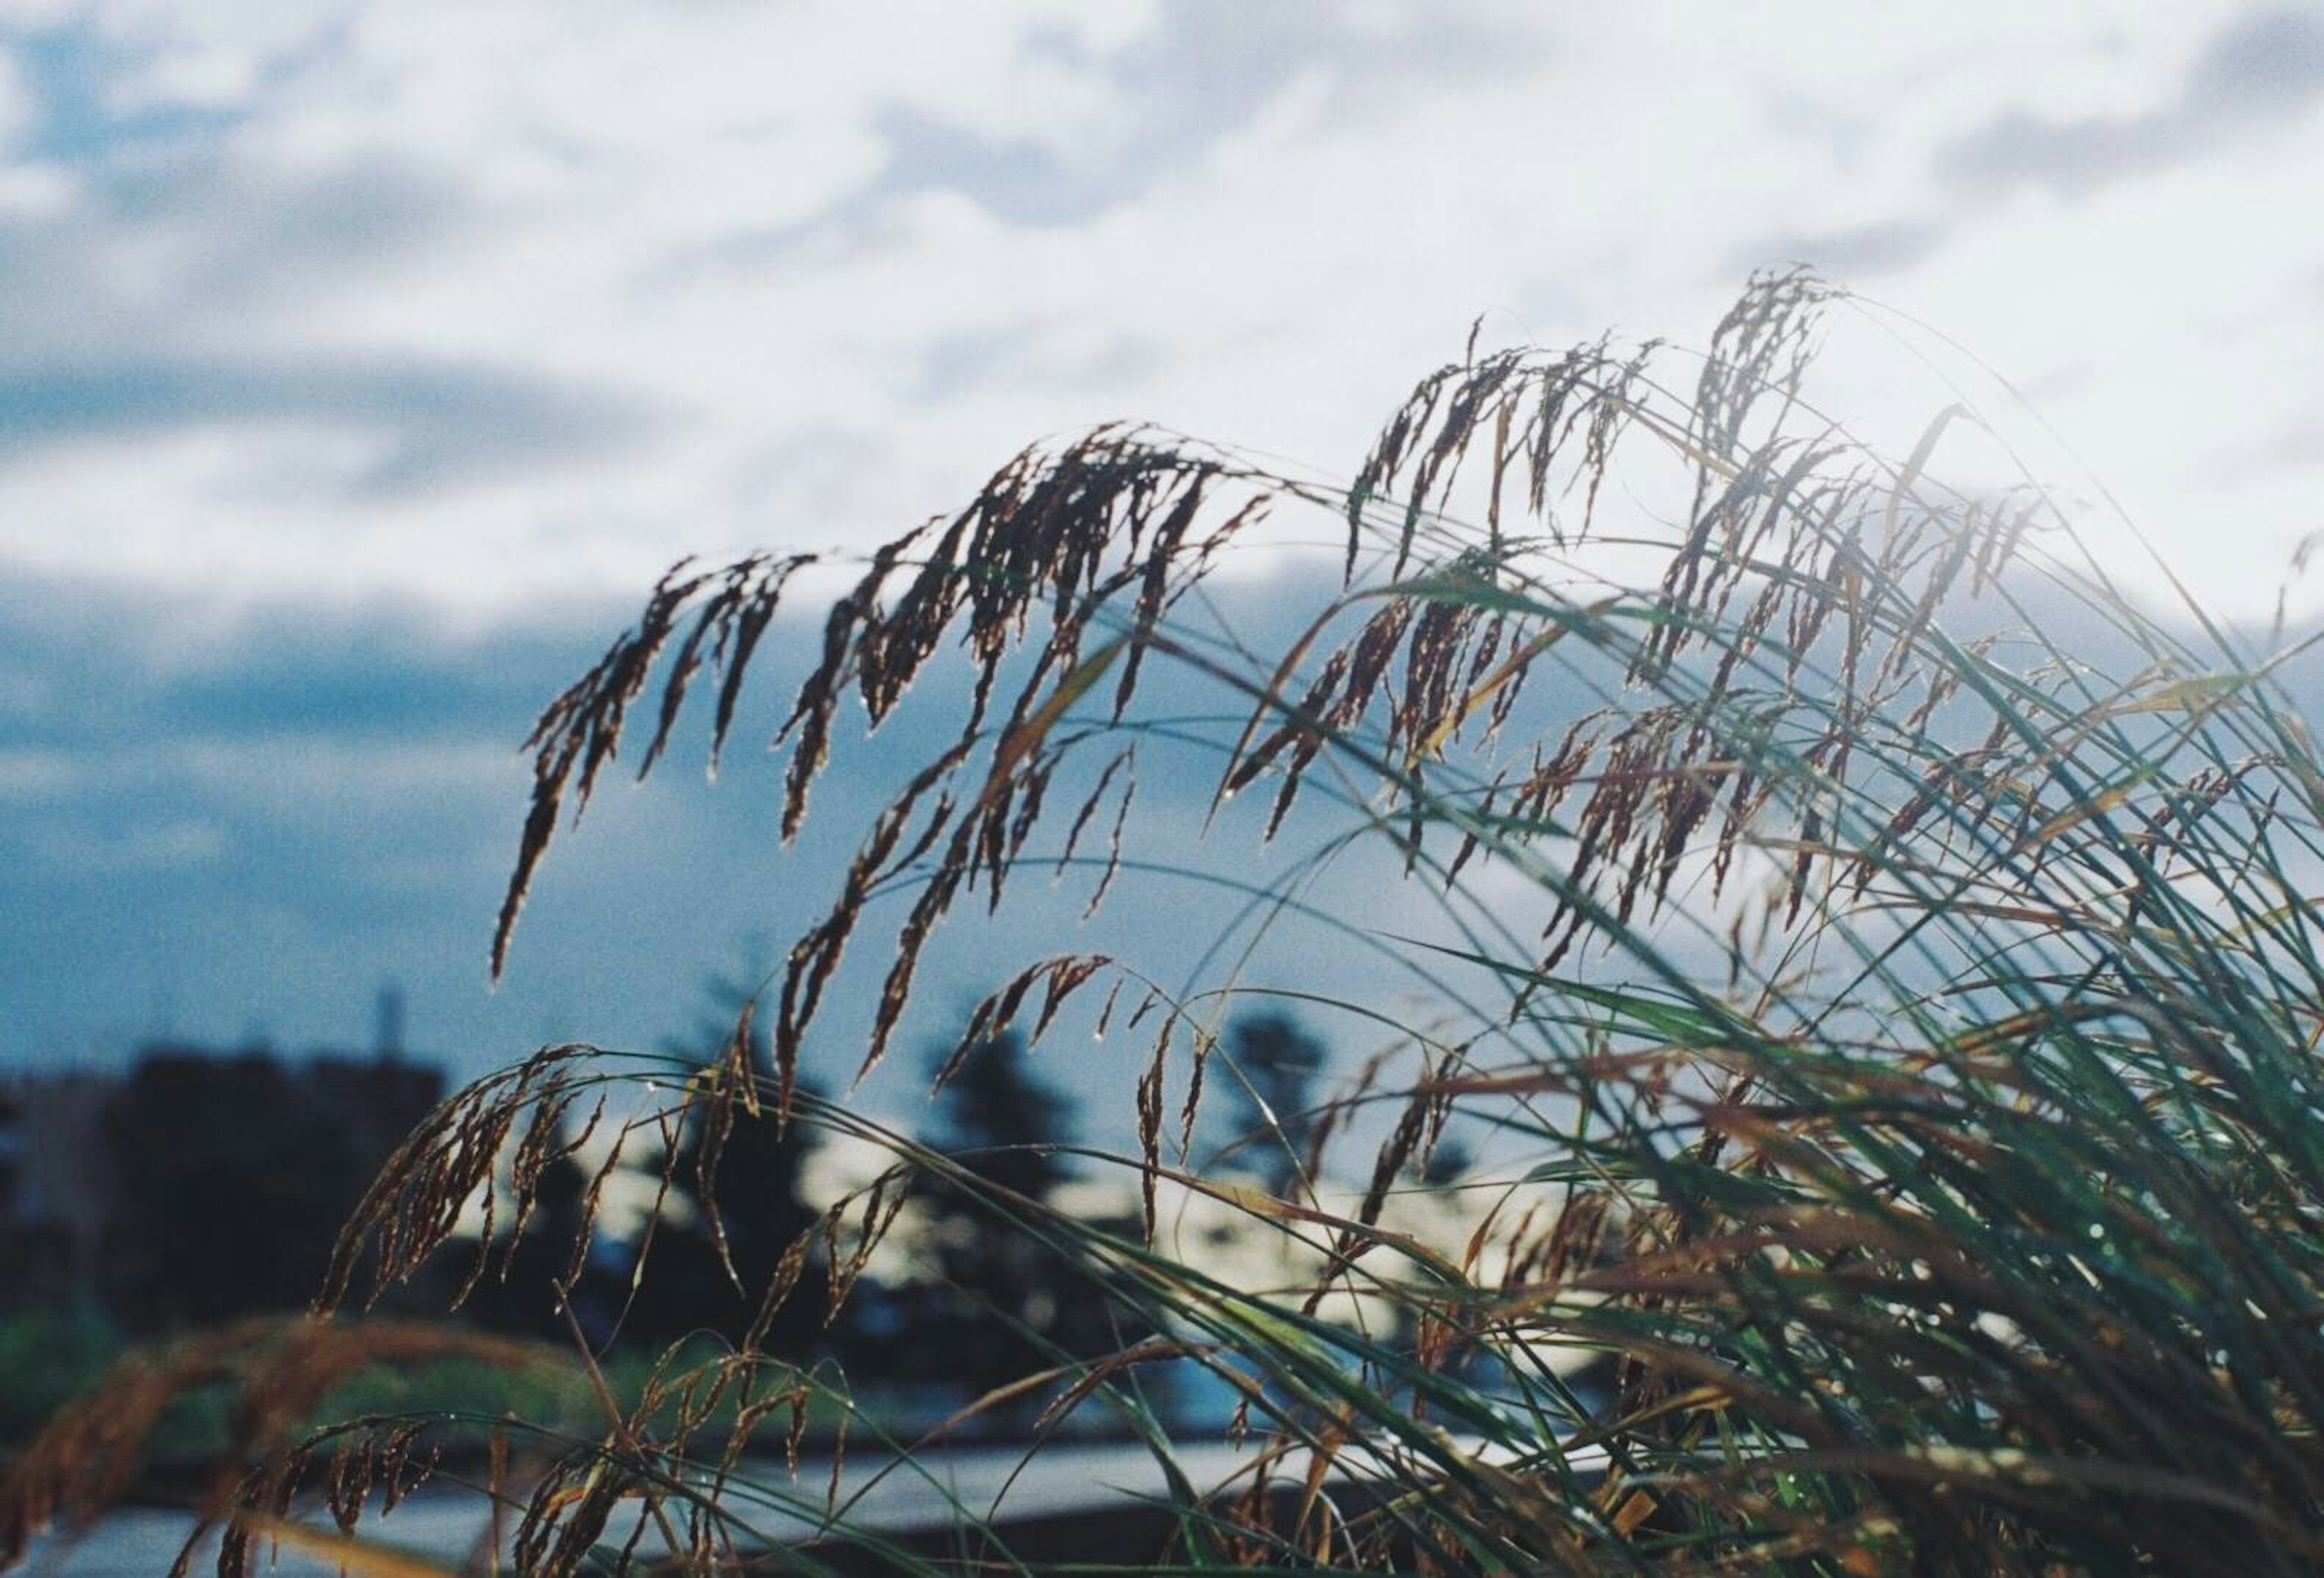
{"points": [[1869, 961]]}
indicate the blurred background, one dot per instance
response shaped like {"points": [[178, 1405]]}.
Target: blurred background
{"points": [[361, 364]]}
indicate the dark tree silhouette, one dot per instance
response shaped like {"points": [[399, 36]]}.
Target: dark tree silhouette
{"points": [[231, 1174], [527, 1283], [1270, 1094], [1008, 1301], [744, 1186]]}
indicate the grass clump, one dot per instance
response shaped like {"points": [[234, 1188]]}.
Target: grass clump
{"points": [[1865, 962]]}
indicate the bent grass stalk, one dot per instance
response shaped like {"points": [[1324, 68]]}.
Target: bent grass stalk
{"points": [[1870, 954]]}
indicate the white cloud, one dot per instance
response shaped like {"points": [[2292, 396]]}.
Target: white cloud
{"points": [[849, 263], [160, 844], [15, 102], [31, 773]]}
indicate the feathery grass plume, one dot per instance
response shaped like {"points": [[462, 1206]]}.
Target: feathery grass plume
{"points": [[1958, 1218], [1871, 962], [277, 1371]]}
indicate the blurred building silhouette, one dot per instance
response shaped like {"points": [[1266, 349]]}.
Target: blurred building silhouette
{"points": [[53, 1199], [202, 1184]]}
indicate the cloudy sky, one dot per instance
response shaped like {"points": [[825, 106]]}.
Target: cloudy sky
{"points": [[361, 362]]}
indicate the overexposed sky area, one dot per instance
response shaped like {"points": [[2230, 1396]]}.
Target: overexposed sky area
{"points": [[488, 307]]}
